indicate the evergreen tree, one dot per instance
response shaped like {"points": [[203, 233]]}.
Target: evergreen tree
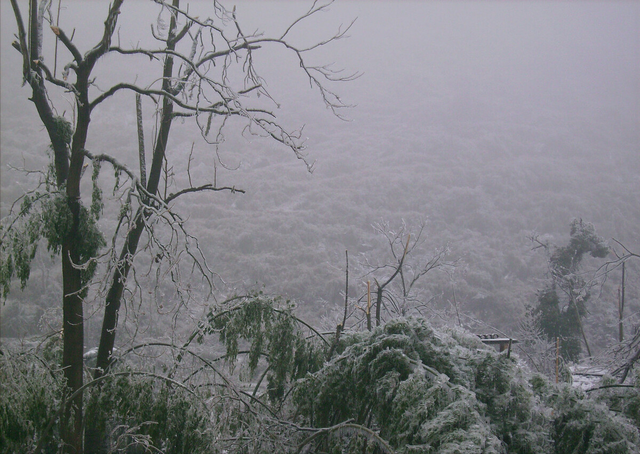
{"points": [[562, 305]]}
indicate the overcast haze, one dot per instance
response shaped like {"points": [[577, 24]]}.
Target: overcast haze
{"points": [[491, 119]]}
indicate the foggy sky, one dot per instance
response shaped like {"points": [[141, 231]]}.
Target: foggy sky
{"points": [[514, 88]]}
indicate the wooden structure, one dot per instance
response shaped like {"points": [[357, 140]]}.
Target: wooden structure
{"points": [[503, 343]]}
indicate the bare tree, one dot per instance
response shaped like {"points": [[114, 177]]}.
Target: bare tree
{"points": [[396, 280], [627, 353], [206, 74]]}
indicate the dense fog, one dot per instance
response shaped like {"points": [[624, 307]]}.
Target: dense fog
{"points": [[489, 121]]}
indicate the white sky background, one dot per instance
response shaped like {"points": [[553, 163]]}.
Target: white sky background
{"points": [[465, 113], [427, 67]]}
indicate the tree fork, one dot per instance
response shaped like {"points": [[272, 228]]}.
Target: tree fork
{"points": [[94, 438], [114, 295], [32, 74]]}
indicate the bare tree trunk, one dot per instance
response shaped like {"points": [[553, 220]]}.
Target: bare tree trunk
{"points": [[73, 321], [114, 297], [584, 337], [68, 168], [118, 282], [368, 306], [341, 326], [557, 357], [95, 437], [346, 289], [455, 302], [621, 308], [378, 303], [380, 289], [141, 152]]}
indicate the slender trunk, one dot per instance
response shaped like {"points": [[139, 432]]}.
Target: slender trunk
{"points": [[557, 357], [455, 302], [141, 152], [114, 297], [378, 304], [368, 306], [346, 289], [579, 317], [380, 290], [118, 282], [95, 435], [341, 326], [621, 308]]}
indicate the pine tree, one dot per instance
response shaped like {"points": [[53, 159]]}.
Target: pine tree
{"points": [[562, 305]]}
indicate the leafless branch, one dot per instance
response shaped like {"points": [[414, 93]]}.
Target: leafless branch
{"points": [[50, 78], [62, 36], [204, 187], [627, 253], [22, 45], [109, 27]]}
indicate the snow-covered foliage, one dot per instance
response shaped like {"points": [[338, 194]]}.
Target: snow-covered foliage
{"points": [[443, 392], [584, 425], [402, 388], [31, 388]]}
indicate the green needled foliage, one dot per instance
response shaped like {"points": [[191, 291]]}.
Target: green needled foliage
{"points": [[413, 384], [402, 388], [31, 390], [142, 411], [562, 305], [586, 426], [46, 215], [270, 329], [444, 392]]}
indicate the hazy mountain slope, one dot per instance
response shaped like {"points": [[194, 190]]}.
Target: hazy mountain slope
{"points": [[492, 120]]}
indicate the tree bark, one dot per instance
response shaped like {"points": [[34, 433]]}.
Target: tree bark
{"points": [[73, 322], [378, 303], [118, 282], [621, 308], [584, 337], [114, 297], [95, 437], [73, 345]]}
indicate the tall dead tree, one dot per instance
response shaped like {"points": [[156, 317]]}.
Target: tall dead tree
{"points": [[621, 296], [205, 73]]}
